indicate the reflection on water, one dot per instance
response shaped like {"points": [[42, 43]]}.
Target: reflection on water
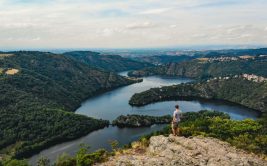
{"points": [[114, 103]]}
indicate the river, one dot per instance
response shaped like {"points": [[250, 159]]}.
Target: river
{"points": [[114, 103]]}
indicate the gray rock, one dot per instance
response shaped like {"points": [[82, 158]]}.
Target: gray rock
{"points": [[200, 151]]}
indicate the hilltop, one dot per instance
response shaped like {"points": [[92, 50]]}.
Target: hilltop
{"points": [[113, 63], [202, 68], [185, 151]]}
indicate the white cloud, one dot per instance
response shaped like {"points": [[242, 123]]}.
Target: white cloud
{"points": [[202, 35], [173, 26], [140, 25], [246, 35], [155, 11]]}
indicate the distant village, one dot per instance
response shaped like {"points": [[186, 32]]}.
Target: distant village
{"points": [[250, 77], [228, 58]]}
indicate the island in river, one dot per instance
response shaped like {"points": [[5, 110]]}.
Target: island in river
{"points": [[140, 120]]}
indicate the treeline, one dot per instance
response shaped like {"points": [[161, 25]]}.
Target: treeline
{"points": [[140, 120], [165, 59], [203, 70], [248, 93], [113, 63], [34, 100]]}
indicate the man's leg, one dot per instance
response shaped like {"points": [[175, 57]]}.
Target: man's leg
{"points": [[178, 131], [173, 129]]}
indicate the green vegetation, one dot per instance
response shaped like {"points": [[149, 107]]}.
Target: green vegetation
{"points": [[82, 158], [35, 101], [247, 134], [113, 63], [14, 162], [202, 70], [248, 93], [140, 120]]}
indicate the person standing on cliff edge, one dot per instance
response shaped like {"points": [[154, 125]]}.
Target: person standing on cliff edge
{"points": [[176, 120]]}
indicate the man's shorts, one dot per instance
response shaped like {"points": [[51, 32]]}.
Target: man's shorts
{"points": [[175, 125]]}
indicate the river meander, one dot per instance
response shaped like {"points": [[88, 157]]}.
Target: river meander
{"points": [[114, 103]]}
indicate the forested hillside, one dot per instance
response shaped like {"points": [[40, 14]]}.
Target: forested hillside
{"points": [[113, 63], [238, 90], [37, 89], [204, 69], [165, 59]]}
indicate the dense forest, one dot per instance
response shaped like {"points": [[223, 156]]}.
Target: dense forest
{"points": [[113, 63], [206, 69], [140, 120], [238, 90], [37, 88]]}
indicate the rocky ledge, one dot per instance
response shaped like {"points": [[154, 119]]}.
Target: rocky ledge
{"points": [[185, 151]]}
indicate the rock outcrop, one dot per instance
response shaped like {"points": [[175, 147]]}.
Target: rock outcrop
{"points": [[185, 151]]}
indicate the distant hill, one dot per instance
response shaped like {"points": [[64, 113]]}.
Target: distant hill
{"points": [[113, 63], [200, 68], [38, 91], [163, 59], [232, 52]]}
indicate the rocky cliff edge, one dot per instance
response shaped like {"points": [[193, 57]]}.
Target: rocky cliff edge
{"points": [[185, 151]]}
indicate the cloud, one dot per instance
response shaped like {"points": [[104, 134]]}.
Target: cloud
{"points": [[246, 35], [202, 35], [155, 11], [140, 25], [130, 23], [238, 28]]}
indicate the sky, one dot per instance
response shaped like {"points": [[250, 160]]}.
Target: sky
{"points": [[131, 23]]}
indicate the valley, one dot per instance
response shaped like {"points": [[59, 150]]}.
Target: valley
{"points": [[47, 88]]}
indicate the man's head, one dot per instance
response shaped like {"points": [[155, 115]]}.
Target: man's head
{"points": [[177, 106]]}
